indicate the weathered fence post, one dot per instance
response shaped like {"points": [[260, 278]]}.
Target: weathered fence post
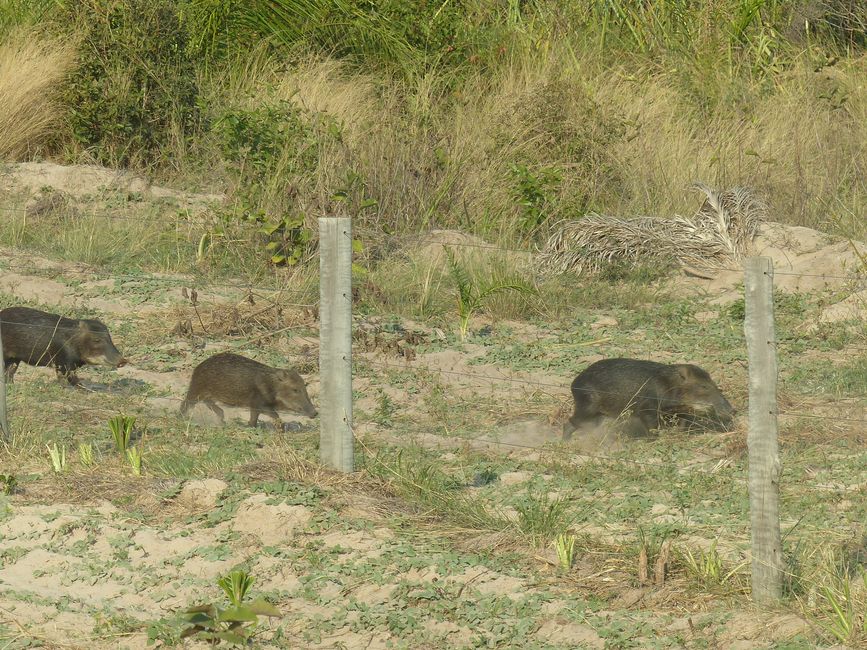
{"points": [[4, 421], [335, 343], [762, 443]]}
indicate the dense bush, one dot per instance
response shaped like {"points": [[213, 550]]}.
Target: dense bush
{"points": [[135, 91]]}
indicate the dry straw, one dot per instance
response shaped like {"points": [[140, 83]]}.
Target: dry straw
{"points": [[31, 69], [718, 235]]}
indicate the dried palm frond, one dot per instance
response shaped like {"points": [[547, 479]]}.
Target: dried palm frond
{"points": [[718, 234]]}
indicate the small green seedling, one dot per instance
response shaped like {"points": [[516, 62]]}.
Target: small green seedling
{"points": [[134, 457], [566, 550], [58, 457], [707, 566], [121, 429], [215, 625], [8, 483], [85, 454], [236, 585]]}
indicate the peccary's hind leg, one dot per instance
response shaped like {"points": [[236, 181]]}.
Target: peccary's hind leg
{"points": [[211, 404], [11, 366], [569, 427], [636, 427]]}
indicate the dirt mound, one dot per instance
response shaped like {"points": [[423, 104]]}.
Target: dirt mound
{"points": [[804, 260], [78, 181]]}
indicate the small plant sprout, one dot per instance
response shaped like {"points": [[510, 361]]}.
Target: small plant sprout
{"points": [[847, 619], [236, 585], [565, 544], [121, 429], [85, 454], [8, 483], [58, 457], [134, 457], [215, 625], [708, 567], [470, 296]]}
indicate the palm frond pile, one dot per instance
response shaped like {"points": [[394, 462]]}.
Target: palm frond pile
{"points": [[719, 234]]}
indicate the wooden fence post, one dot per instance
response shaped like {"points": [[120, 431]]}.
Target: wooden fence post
{"points": [[762, 442], [336, 447]]}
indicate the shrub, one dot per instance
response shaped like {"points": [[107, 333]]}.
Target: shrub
{"points": [[135, 90]]}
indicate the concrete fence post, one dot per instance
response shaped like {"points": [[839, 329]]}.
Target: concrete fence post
{"points": [[762, 441], [336, 447]]}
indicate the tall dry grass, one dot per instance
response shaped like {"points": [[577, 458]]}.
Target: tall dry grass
{"points": [[31, 70], [620, 140]]}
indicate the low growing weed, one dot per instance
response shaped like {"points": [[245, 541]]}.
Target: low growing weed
{"points": [[709, 568]]}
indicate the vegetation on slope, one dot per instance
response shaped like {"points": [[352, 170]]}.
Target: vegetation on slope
{"points": [[497, 117]]}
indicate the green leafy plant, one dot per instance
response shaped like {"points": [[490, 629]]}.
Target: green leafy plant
{"points": [[121, 430], [8, 483], [470, 296], [58, 457], [565, 545], [289, 240], [533, 194], [134, 457], [215, 624], [85, 454]]}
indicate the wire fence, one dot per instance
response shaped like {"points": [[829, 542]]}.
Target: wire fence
{"points": [[281, 292]]}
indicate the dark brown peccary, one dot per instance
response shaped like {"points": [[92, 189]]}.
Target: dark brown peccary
{"points": [[238, 381], [42, 339], [650, 393]]}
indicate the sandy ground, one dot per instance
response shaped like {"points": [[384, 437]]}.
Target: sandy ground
{"points": [[61, 565]]}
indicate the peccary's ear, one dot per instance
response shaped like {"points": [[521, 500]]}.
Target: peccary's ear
{"points": [[684, 371]]}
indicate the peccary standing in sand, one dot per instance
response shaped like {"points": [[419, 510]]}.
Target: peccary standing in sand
{"points": [[238, 381], [648, 394], [42, 339]]}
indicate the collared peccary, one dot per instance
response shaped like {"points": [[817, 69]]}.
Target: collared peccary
{"points": [[42, 339], [649, 393], [238, 381]]}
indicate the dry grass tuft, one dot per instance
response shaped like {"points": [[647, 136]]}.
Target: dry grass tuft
{"points": [[30, 71], [718, 234]]}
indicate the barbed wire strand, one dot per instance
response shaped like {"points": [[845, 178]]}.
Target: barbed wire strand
{"points": [[421, 238], [409, 237], [835, 418], [455, 438], [513, 380], [560, 387], [195, 283]]}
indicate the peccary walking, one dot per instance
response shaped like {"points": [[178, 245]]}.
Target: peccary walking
{"points": [[649, 393], [238, 381], [42, 339]]}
